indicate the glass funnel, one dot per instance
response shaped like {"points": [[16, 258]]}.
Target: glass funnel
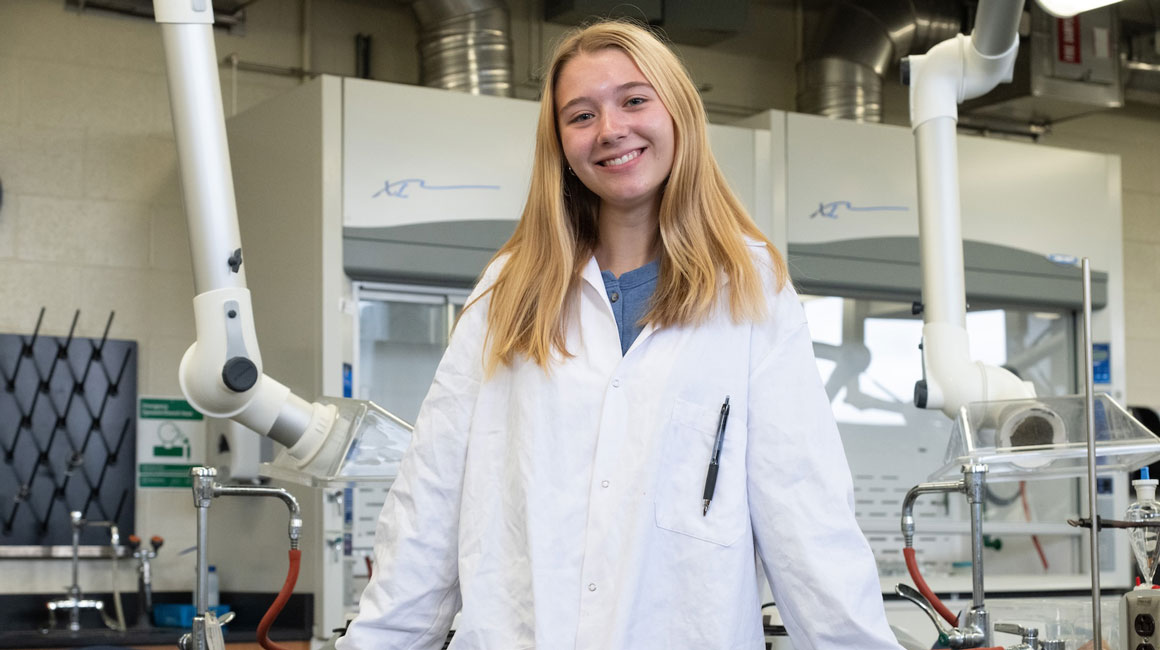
{"points": [[1144, 540]]}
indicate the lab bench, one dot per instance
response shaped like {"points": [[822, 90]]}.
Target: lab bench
{"points": [[23, 615]]}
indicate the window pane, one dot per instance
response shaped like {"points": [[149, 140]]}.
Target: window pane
{"points": [[868, 357], [400, 344]]}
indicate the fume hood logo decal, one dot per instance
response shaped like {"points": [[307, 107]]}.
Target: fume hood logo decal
{"points": [[398, 189], [831, 210]]}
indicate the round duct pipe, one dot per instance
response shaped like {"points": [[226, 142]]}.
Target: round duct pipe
{"points": [[854, 46], [464, 45]]}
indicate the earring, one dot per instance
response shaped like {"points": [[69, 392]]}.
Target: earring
{"points": [[570, 170]]}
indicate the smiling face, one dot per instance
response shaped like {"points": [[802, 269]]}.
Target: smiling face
{"points": [[616, 134]]}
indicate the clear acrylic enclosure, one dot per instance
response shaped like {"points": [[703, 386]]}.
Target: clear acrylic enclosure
{"points": [[365, 444], [1046, 437]]}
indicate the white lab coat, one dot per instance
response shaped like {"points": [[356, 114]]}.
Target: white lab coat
{"points": [[563, 510]]}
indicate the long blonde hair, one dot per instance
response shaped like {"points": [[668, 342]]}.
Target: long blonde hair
{"points": [[703, 226]]}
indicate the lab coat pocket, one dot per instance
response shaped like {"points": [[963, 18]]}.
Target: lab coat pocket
{"points": [[680, 488]]}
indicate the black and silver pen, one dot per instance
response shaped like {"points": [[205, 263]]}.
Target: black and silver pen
{"points": [[711, 477]]}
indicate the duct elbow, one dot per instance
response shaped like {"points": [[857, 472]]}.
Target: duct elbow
{"points": [[1002, 384], [954, 380], [935, 81], [981, 73], [219, 374], [952, 72]]}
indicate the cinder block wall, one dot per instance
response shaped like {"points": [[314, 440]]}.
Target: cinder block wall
{"points": [[1134, 134]]}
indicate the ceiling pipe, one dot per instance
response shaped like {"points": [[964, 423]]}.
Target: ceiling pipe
{"points": [[465, 45], [854, 47]]}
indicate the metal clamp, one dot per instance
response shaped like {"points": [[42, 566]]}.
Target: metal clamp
{"points": [[207, 630]]}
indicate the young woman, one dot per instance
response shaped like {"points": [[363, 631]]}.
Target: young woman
{"points": [[636, 326]]}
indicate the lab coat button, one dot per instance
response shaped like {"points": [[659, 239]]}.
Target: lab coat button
{"points": [[604, 484], [591, 586], [616, 383]]}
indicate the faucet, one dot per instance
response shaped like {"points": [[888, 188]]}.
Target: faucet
{"points": [[74, 602], [947, 635], [206, 632], [975, 632], [954, 637], [144, 576]]}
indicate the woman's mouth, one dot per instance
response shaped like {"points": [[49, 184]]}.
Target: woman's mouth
{"points": [[621, 160]]}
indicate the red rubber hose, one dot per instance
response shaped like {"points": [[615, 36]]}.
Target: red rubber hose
{"points": [[279, 603], [912, 566]]}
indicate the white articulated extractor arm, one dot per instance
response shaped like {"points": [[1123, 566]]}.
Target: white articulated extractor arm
{"points": [[221, 373], [953, 71]]}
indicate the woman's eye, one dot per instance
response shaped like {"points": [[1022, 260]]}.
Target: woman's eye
{"points": [[636, 101], [582, 117]]}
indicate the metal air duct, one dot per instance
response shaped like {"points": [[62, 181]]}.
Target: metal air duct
{"points": [[464, 45], [854, 46]]}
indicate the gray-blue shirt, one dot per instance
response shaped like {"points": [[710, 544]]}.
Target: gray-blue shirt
{"points": [[630, 295]]}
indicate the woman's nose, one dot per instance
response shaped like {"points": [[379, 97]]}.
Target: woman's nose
{"points": [[612, 127]]}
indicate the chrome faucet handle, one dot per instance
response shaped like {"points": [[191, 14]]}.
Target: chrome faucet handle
{"points": [[913, 595], [338, 498], [969, 635], [1028, 636]]}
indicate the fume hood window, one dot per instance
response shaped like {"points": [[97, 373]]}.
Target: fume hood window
{"points": [[868, 358], [402, 332]]}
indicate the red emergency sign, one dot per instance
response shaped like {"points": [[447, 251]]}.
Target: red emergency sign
{"points": [[1069, 39]]}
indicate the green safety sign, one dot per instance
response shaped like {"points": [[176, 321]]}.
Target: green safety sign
{"points": [[168, 409], [155, 475], [170, 441]]}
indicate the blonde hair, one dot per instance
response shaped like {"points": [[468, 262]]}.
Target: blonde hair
{"points": [[703, 226]]}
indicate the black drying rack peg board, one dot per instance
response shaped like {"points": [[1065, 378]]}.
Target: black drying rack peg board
{"points": [[67, 435]]}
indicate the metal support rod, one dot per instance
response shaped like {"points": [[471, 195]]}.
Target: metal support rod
{"points": [[202, 497], [978, 619], [74, 591], [202, 561], [233, 60], [1089, 394], [144, 590], [973, 478]]}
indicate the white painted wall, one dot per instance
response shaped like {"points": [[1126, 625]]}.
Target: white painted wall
{"points": [[92, 215]]}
